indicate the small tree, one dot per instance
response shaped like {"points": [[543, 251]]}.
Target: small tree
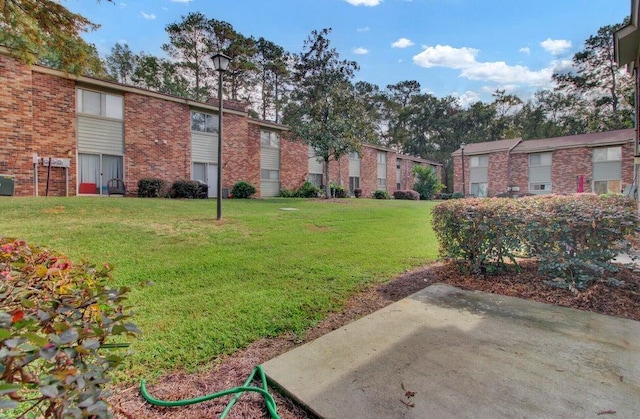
{"points": [[427, 183]]}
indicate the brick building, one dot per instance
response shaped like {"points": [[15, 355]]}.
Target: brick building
{"points": [[65, 135], [598, 162], [627, 53]]}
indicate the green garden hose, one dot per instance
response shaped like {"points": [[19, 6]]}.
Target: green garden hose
{"points": [[239, 391]]}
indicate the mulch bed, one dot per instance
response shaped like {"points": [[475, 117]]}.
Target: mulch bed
{"points": [[231, 371]]}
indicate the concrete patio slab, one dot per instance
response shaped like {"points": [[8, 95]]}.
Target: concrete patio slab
{"points": [[448, 353]]}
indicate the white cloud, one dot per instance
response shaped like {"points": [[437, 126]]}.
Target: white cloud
{"points": [[360, 51], [446, 56], [364, 2], [525, 50], [556, 46], [464, 59], [149, 16], [182, 1], [365, 29], [402, 43], [468, 98]]}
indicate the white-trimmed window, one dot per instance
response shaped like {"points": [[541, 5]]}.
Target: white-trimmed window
{"points": [[607, 170], [479, 175], [382, 170], [269, 139], [100, 104], [204, 122], [540, 173]]}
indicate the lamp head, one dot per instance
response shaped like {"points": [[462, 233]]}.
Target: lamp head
{"points": [[221, 61], [462, 145]]}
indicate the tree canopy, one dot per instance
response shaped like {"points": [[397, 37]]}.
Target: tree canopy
{"points": [[46, 31]]}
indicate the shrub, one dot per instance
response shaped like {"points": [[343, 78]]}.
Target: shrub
{"points": [[242, 190], [190, 189], [483, 233], [357, 192], [381, 194], [151, 188], [573, 237], [287, 193], [427, 183], [55, 322], [407, 194], [307, 190], [338, 191]]}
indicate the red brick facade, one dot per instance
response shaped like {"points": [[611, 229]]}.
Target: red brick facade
{"points": [[38, 115], [508, 170]]}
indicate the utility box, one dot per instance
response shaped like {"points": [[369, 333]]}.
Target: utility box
{"points": [[6, 185]]}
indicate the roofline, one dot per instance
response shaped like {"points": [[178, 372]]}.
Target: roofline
{"points": [[626, 41], [119, 87], [401, 155], [569, 146]]}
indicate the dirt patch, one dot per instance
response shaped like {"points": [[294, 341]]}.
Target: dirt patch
{"points": [[615, 295]]}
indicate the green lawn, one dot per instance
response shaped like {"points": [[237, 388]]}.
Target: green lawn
{"points": [[215, 286]]}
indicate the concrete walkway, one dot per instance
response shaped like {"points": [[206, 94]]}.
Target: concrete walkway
{"points": [[448, 353]]}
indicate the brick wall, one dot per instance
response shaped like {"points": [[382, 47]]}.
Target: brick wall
{"points": [[16, 128], [627, 164], [294, 162], [518, 172], [54, 131], [498, 173], [567, 165], [235, 152], [368, 171], [157, 134], [253, 163]]}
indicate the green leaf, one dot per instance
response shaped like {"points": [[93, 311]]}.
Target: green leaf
{"points": [[4, 334], [6, 388], [36, 339]]}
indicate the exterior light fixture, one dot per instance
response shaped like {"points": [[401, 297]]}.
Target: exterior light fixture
{"points": [[220, 64]]}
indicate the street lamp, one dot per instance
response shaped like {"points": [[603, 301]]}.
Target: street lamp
{"points": [[462, 146], [220, 64]]}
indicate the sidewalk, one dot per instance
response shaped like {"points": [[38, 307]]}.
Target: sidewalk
{"points": [[448, 353]]}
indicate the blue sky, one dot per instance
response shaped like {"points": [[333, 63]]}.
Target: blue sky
{"points": [[465, 48]]}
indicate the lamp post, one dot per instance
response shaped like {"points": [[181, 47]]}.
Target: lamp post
{"points": [[462, 146], [220, 64]]}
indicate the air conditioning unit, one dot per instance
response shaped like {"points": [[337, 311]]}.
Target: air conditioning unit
{"points": [[6, 185]]}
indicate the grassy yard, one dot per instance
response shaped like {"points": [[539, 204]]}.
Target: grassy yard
{"points": [[215, 286]]}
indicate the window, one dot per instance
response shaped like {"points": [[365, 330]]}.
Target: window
{"points": [[100, 104], [479, 189], [353, 155], [607, 170], [540, 173], [479, 175], [269, 174], [382, 170], [354, 183], [315, 179], [479, 161], [269, 139], [97, 170], [204, 122]]}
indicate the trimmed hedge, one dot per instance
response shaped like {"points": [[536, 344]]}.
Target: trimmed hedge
{"points": [[190, 189], [572, 237], [381, 194], [407, 194], [242, 190], [151, 188]]}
